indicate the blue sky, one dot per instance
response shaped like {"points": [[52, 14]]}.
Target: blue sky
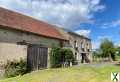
{"points": [[107, 23], [96, 19]]}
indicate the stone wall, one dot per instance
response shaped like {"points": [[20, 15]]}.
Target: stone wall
{"points": [[81, 41], [13, 36], [78, 43], [10, 49]]}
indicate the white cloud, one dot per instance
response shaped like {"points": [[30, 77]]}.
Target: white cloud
{"points": [[83, 32], [114, 23], [117, 44], [104, 37], [65, 13]]}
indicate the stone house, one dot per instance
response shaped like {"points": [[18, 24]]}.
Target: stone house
{"points": [[80, 45], [24, 37]]}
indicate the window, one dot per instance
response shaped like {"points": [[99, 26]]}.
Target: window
{"points": [[82, 45], [87, 45], [76, 55], [88, 50], [75, 43], [83, 49]]}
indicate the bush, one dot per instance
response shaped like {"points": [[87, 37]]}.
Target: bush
{"points": [[55, 57], [67, 55], [58, 56], [14, 68]]}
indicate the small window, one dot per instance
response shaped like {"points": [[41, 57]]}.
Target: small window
{"points": [[75, 54], [88, 50], [75, 43], [88, 45], [83, 49]]}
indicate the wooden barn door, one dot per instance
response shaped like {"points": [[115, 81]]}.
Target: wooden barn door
{"points": [[37, 57]]}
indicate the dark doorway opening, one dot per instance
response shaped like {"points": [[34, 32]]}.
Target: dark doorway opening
{"points": [[84, 58], [37, 57]]}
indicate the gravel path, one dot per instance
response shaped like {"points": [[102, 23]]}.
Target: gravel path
{"points": [[100, 64]]}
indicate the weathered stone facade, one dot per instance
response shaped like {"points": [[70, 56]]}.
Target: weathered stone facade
{"points": [[14, 36], [80, 45], [18, 32], [10, 49]]}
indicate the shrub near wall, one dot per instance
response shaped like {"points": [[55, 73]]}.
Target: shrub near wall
{"points": [[67, 55], [58, 56], [14, 68], [55, 57]]}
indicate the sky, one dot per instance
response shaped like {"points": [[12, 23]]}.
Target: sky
{"points": [[96, 19]]}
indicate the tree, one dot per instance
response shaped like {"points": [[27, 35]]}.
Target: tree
{"points": [[107, 48]]}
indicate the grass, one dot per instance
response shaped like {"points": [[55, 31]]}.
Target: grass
{"points": [[83, 73]]}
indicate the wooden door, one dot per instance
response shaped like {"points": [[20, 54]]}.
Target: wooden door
{"points": [[37, 57]]}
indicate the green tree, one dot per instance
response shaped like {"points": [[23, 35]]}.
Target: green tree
{"points": [[107, 48]]}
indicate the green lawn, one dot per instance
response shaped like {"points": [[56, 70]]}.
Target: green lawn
{"points": [[83, 73]]}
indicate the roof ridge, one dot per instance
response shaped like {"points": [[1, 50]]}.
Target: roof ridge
{"points": [[16, 20]]}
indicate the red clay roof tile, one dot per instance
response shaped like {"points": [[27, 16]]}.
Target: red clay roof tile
{"points": [[21, 22]]}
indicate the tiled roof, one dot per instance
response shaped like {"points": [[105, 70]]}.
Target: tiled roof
{"points": [[21, 22]]}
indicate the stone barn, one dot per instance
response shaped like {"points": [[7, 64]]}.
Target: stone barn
{"points": [[24, 37]]}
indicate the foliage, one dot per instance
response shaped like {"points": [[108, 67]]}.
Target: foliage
{"points": [[106, 52], [55, 57], [58, 56], [67, 55], [14, 68], [107, 48]]}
